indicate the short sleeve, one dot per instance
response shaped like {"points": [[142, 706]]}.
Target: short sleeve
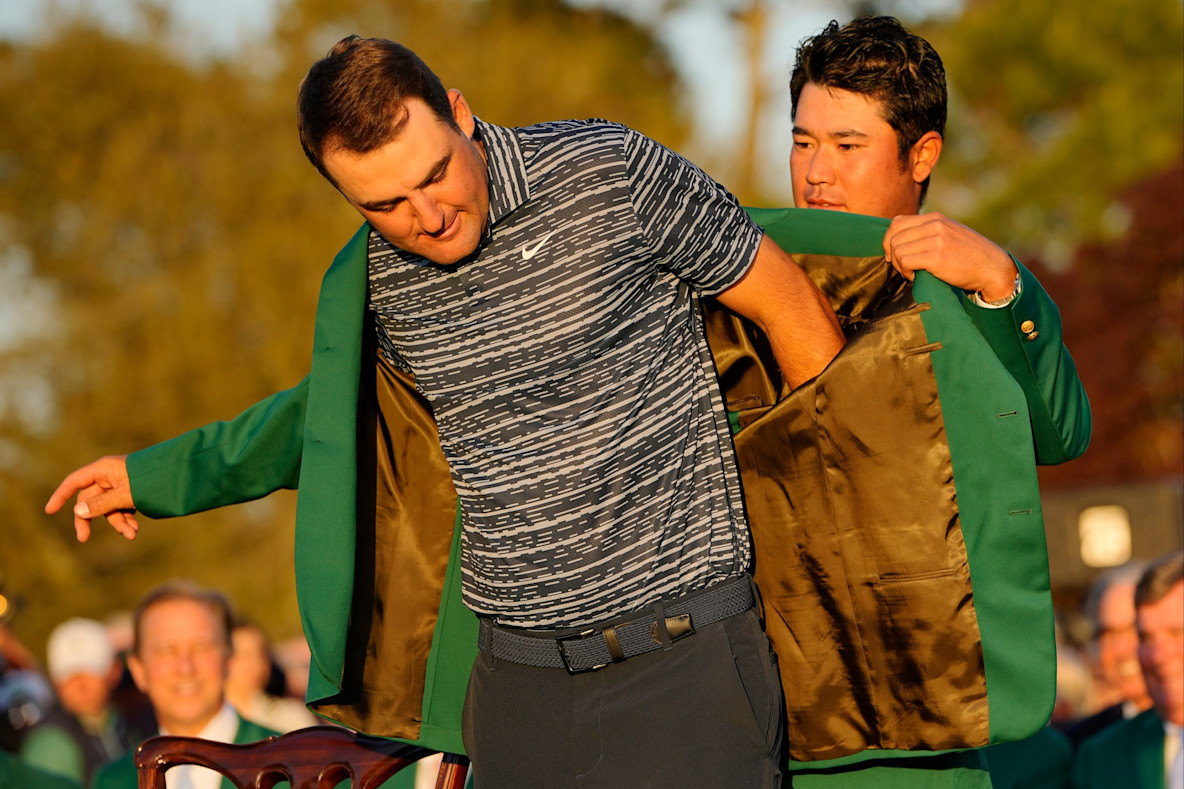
{"points": [[697, 228]]}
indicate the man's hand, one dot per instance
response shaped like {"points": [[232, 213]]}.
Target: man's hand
{"points": [[103, 488], [950, 251]]}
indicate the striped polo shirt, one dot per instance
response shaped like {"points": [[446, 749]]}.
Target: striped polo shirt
{"points": [[569, 374]]}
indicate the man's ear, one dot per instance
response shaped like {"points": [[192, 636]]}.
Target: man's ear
{"points": [[924, 155], [461, 112], [137, 671]]}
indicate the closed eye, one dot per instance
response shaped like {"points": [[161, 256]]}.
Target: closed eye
{"points": [[437, 174]]}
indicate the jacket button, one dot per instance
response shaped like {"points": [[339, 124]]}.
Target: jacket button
{"points": [[1033, 336], [1027, 326]]}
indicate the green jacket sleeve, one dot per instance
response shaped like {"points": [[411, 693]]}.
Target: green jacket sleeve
{"points": [[1026, 337], [246, 458], [1036, 357]]}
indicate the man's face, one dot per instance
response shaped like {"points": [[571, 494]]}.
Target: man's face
{"points": [[1161, 653], [250, 666], [845, 156], [426, 191], [85, 693], [181, 664], [1117, 644]]}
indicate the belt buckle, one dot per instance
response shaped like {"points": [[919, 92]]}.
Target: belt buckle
{"points": [[561, 640]]}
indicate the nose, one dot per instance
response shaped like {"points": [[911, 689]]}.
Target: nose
{"points": [[819, 170], [185, 662], [428, 212]]}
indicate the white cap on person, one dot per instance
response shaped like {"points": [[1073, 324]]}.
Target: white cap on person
{"points": [[77, 646]]}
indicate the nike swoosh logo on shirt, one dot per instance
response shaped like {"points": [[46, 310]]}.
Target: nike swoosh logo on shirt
{"points": [[530, 252]]}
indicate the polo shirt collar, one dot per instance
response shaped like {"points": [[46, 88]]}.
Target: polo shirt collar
{"points": [[508, 188]]}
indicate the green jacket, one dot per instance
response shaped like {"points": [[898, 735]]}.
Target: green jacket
{"points": [[1041, 761], [15, 773], [378, 590], [122, 774], [1127, 754], [894, 504]]}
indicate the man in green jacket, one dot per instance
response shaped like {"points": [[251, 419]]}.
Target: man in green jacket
{"points": [[869, 110], [1147, 751], [180, 656], [523, 303]]}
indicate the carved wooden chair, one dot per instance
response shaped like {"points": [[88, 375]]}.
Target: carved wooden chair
{"points": [[319, 757]]}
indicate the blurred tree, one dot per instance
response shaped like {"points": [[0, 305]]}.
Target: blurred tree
{"points": [[164, 240], [517, 61], [1054, 112], [1123, 311], [167, 215]]}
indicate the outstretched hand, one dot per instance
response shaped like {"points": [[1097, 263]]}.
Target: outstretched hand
{"points": [[950, 251], [103, 489]]}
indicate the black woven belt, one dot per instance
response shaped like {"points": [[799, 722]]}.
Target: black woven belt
{"points": [[596, 647]]}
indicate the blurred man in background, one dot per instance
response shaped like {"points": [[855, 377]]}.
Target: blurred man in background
{"points": [[247, 680], [1144, 752], [1119, 691], [180, 659], [85, 730]]}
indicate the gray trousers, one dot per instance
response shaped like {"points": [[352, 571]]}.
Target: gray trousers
{"points": [[704, 713]]}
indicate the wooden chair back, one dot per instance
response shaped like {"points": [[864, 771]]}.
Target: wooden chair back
{"points": [[319, 757]]}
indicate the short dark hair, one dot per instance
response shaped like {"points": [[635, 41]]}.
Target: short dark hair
{"points": [[355, 97], [182, 590], [878, 58], [1124, 575], [1159, 578]]}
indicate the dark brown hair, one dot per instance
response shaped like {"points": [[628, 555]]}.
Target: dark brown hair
{"points": [[355, 97], [182, 590], [1159, 578], [878, 58]]}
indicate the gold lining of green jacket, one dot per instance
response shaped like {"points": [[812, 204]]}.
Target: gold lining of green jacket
{"points": [[899, 541]]}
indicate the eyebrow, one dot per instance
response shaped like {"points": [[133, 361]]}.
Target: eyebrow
{"points": [[838, 134], [436, 171]]}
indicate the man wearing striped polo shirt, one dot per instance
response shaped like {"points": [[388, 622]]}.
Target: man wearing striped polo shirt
{"points": [[541, 285]]}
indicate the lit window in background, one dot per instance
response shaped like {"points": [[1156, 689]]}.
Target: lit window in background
{"points": [[1105, 534]]}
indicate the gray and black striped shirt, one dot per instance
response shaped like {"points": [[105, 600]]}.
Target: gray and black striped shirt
{"points": [[566, 364]]}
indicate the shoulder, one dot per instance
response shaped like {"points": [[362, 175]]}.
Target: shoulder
{"points": [[588, 128], [571, 138], [119, 774], [1118, 737], [249, 731], [49, 734], [15, 774]]}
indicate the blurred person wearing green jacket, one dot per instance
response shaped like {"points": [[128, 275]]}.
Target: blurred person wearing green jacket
{"points": [[85, 730], [180, 659], [1147, 751]]}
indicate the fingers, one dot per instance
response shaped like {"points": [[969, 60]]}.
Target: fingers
{"points": [[919, 243], [125, 523], [103, 489], [74, 482], [98, 500], [122, 521]]}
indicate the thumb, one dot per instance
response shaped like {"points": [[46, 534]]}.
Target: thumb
{"points": [[104, 503]]}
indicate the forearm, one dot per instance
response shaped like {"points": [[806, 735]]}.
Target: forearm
{"points": [[788, 307]]}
